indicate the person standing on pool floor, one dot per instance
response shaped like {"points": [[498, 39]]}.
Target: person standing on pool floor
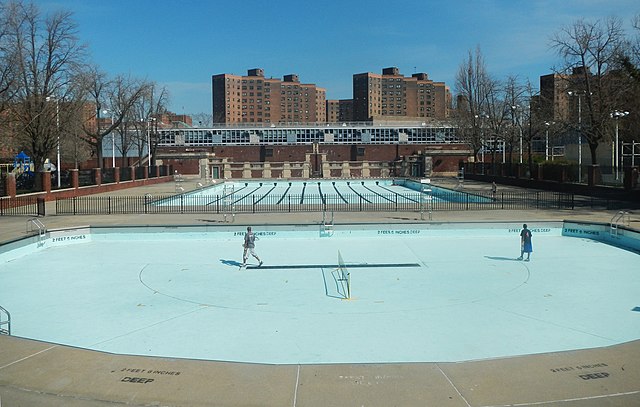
{"points": [[525, 243], [249, 247]]}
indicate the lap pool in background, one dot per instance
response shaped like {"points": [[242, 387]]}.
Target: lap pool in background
{"points": [[420, 292], [328, 192]]}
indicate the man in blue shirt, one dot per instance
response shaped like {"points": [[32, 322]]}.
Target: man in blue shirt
{"points": [[525, 243]]}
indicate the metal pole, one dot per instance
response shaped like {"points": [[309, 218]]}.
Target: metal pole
{"points": [[514, 109], [616, 153], [579, 137], [546, 145], [520, 128], [520, 145], [615, 164], [149, 141], [58, 146], [113, 145]]}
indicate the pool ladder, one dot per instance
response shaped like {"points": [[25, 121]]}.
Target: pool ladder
{"points": [[33, 224], [5, 322], [620, 218], [327, 225]]}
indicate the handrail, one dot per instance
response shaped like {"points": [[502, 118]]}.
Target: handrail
{"points": [[42, 229], [327, 225], [617, 220], [3, 322]]}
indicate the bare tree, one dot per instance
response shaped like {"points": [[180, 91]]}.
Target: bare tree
{"points": [[591, 51], [473, 85], [7, 73], [534, 124], [146, 114], [7, 57], [117, 96], [631, 68], [500, 99], [47, 55]]}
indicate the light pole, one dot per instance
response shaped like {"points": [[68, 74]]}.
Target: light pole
{"points": [[113, 140], [616, 114], [149, 121], [514, 108], [481, 118], [48, 99], [579, 95], [546, 141]]}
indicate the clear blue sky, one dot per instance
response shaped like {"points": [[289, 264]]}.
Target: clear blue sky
{"points": [[181, 44]]}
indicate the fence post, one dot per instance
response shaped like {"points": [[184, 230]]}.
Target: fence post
{"points": [[109, 204], [10, 185]]}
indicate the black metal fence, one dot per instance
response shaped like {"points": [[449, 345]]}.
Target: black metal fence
{"points": [[407, 202], [32, 206]]}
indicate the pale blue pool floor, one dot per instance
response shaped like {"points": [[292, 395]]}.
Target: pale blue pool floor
{"points": [[468, 298]]}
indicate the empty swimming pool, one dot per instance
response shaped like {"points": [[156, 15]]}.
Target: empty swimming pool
{"points": [[419, 292], [391, 193]]}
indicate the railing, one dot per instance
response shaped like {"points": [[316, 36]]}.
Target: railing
{"points": [[31, 206], [411, 202], [620, 218], [34, 224], [5, 322]]}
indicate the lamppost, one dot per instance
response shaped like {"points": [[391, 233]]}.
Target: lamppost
{"points": [[616, 114], [149, 121], [514, 108], [546, 141], [49, 99], [481, 118], [579, 94], [113, 140]]}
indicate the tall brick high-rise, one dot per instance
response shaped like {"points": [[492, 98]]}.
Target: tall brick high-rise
{"points": [[392, 96], [256, 99]]}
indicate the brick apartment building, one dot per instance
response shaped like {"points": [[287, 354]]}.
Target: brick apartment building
{"points": [[256, 99], [555, 102], [339, 110], [392, 96]]}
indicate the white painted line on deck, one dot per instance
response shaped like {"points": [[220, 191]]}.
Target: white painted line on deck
{"points": [[295, 390], [542, 403], [28, 357], [453, 385]]}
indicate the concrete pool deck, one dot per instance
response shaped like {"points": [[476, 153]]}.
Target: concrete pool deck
{"points": [[36, 373]]}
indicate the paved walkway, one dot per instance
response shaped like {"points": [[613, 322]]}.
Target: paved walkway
{"points": [[36, 373]]}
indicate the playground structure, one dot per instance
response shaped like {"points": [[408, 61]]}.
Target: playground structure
{"points": [[22, 164]]}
